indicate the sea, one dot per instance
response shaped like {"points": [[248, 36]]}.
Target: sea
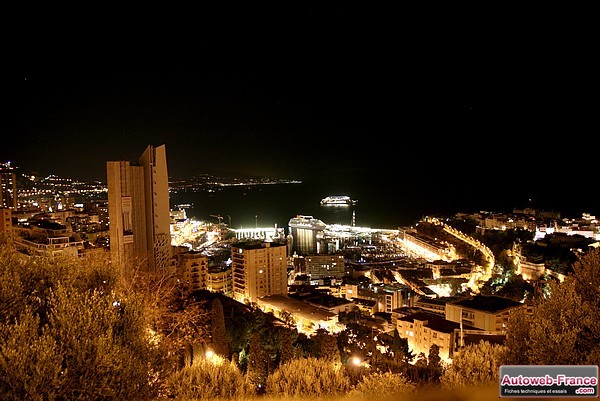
{"points": [[377, 206]]}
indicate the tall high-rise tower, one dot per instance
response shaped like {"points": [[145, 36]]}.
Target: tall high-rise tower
{"points": [[138, 211], [158, 221], [8, 186]]}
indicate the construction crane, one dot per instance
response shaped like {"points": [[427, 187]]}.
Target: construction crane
{"points": [[220, 219]]}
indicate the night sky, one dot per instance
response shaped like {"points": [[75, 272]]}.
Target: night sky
{"points": [[297, 92]]}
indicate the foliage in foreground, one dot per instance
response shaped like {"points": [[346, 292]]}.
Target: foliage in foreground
{"points": [[564, 327], [377, 385], [70, 330], [209, 379], [476, 364], [67, 332], [308, 377]]}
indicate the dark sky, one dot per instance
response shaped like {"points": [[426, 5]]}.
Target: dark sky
{"points": [[296, 92]]}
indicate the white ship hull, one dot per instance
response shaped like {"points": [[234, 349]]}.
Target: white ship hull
{"points": [[337, 200]]}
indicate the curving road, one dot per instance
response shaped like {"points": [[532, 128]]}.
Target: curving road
{"points": [[479, 274]]}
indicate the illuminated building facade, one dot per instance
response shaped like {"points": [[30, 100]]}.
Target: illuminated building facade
{"points": [[158, 217], [8, 186], [192, 268], [258, 269], [306, 231], [425, 247], [218, 280], [423, 329], [47, 238], [318, 266], [138, 209], [486, 312], [5, 220]]}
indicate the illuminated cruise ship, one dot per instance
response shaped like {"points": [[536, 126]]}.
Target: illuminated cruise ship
{"points": [[306, 232], [337, 200]]}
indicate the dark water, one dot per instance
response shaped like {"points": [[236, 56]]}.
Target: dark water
{"points": [[380, 203], [268, 205]]}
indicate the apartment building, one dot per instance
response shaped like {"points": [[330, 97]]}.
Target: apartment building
{"points": [[258, 268]]}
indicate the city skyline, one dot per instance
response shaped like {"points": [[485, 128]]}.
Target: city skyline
{"points": [[388, 211], [472, 242]]}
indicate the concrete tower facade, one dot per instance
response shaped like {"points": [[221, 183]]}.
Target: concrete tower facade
{"points": [[138, 210], [158, 222]]}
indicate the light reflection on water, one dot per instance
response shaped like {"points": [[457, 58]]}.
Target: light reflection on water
{"points": [[269, 205]]}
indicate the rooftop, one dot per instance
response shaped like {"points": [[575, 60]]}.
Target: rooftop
{"points": [[488, 303], [297, 307], [365, 302], [435, 322], [473, 338], [433, 301], [253, 244], [320, 299]]}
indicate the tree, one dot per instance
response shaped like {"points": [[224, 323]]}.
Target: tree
{"points": [[517, 337], [329, 348], [400, 347], [418, 371], [435, 366], [209, 380], [28, 361], [303, 346], [516, 288], [456, 286], [182, 323], [239, 332], [288, 318], [386, 385], [257, 369], [219, 330], [355, 340], [564, 327], [475, 364], [70, 331], [325, 345], [286, 348], [308, 377]]}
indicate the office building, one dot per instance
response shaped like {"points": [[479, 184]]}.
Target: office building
{"points": [[318, 266], [138, 209], [258, 269]]}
